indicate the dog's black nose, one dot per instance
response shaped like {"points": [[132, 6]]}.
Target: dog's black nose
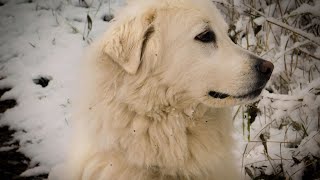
{"points": [[264, 67]]}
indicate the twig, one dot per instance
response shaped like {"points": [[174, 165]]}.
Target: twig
{"points": [[243, 154], [303, 167], [235, 115], [254, 141], [34, 46], [296, 45], [308, 54], [310, 138], [310, 37], [265, 161]]}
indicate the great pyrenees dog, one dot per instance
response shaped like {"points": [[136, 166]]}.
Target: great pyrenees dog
{"points": [[158, 88]]}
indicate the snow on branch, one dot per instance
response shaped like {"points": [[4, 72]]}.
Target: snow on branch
{"points": [[309, 36]]}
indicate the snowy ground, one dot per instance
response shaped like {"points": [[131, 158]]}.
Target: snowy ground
{"points": [[43, 40], [41, 44]]}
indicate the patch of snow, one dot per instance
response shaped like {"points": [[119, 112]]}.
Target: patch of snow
{"points": [[43, 39], [35, 171], [307, 8], [7, 148]]}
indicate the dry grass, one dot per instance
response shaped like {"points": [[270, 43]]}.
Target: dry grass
{"points": [[276, 31]]}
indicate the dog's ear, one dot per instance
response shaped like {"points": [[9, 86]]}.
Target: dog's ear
{"points": [[126, 42]]}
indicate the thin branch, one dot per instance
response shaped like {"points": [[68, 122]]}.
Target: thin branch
{"points": [[296, 45], [308, 54], [310, 37]]}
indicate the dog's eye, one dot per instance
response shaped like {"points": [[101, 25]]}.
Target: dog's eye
{"points": [[206, 36]]}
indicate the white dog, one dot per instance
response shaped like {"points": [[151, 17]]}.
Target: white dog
{"points": [[158, 89]]}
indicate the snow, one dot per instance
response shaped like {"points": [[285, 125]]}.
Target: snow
{"points": [[307, 8], [46, 40], [36, 171], [308, 36], [289, 114], [259, 21], [7, 148], [40, 41]]}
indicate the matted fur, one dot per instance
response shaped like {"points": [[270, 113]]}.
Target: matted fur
{"points": [[145, 112]]}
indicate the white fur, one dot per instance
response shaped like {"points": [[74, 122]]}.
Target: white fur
{"points": [[150, 117]]}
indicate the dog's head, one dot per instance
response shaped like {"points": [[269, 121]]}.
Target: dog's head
{"points": [[185, 45]]}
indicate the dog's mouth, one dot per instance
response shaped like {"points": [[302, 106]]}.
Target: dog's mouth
{"points": [[251, 95]]}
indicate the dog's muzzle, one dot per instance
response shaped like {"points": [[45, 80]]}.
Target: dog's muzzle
{"points": [[263, 69]]}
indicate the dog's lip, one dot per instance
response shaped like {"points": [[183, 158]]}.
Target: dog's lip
{"points": [[219, 95]]}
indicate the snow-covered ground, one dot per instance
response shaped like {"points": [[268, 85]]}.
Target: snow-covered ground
{"points": [[44, 40]]}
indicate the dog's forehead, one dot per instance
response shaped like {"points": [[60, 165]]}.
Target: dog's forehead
{"points": [[183, 15], [197, 12]]}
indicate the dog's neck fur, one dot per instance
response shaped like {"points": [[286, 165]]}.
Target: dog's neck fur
{"points": [[164, 130]]}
